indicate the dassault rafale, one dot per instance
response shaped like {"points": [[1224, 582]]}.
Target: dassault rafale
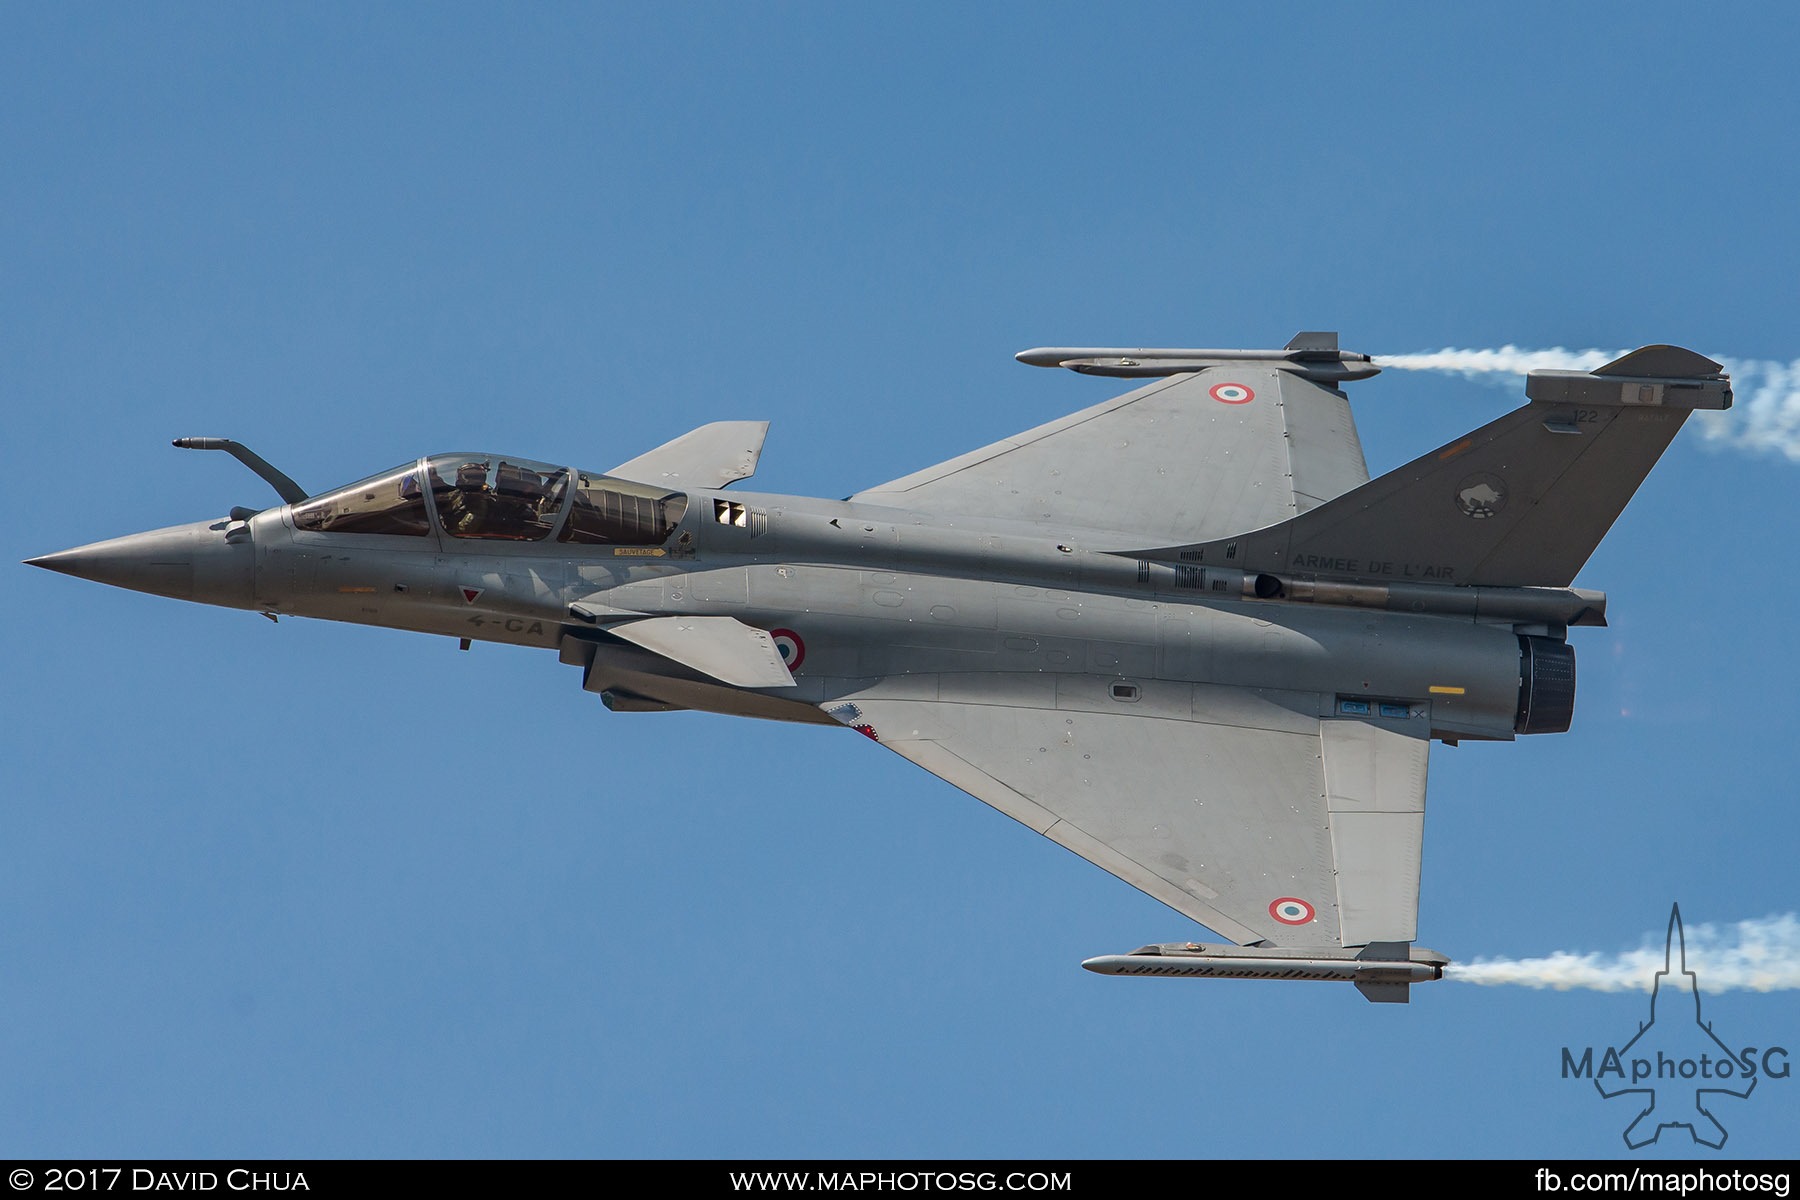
{"points": [[1182, 633]]}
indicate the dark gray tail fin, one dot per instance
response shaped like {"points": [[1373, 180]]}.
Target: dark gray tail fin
{"points": [[1520, 502]]}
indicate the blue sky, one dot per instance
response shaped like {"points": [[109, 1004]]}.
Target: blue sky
{"points": [[316, 890]]}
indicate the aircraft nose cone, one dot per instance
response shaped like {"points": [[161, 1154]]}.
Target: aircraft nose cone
{"points": [[144, 562], [186, 562]]}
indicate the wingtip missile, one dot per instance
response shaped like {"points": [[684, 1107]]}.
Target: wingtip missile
{"points": [[1313, 355], [1381, 972]]}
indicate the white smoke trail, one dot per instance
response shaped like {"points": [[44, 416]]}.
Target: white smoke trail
{"points": [[1759, 956], [1765, 419], [1507, 360]]}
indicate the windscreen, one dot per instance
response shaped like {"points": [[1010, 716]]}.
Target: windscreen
{"points": [[390, 503]]}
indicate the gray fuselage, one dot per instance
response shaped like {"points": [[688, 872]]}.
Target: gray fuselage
{"points": [[872, 592]]}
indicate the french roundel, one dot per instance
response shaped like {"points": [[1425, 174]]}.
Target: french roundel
{"points": [[1231, 393], [790, 647], [1291, 910]]}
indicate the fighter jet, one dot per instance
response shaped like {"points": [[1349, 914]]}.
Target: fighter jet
{"points": [[1181, 633]]}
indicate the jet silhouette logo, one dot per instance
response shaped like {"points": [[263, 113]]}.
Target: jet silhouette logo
{"points": [[1675, 1065]]}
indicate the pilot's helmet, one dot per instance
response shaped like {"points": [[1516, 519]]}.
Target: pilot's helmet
{"points": [[471, 476]]}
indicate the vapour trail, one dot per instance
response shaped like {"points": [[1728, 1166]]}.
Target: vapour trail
{"points": [[1764, 419], [1758, 955]]}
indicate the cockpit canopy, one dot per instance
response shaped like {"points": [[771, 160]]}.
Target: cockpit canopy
{"points": [[484, 497]]}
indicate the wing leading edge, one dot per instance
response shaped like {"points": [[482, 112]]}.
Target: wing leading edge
{"points": [[1210, 452]]}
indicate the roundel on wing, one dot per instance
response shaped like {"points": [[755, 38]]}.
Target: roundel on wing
{"points": [[1231, 393], [790, 647], [1291, 910]]}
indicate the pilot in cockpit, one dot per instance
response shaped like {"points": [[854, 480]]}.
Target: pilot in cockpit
{"points": [[465, 508]]}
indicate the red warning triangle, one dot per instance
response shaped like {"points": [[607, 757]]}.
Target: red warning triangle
{"points": [[470, 595]]}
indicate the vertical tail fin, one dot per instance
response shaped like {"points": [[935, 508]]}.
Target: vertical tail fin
{"points": [[1523, 501]]}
